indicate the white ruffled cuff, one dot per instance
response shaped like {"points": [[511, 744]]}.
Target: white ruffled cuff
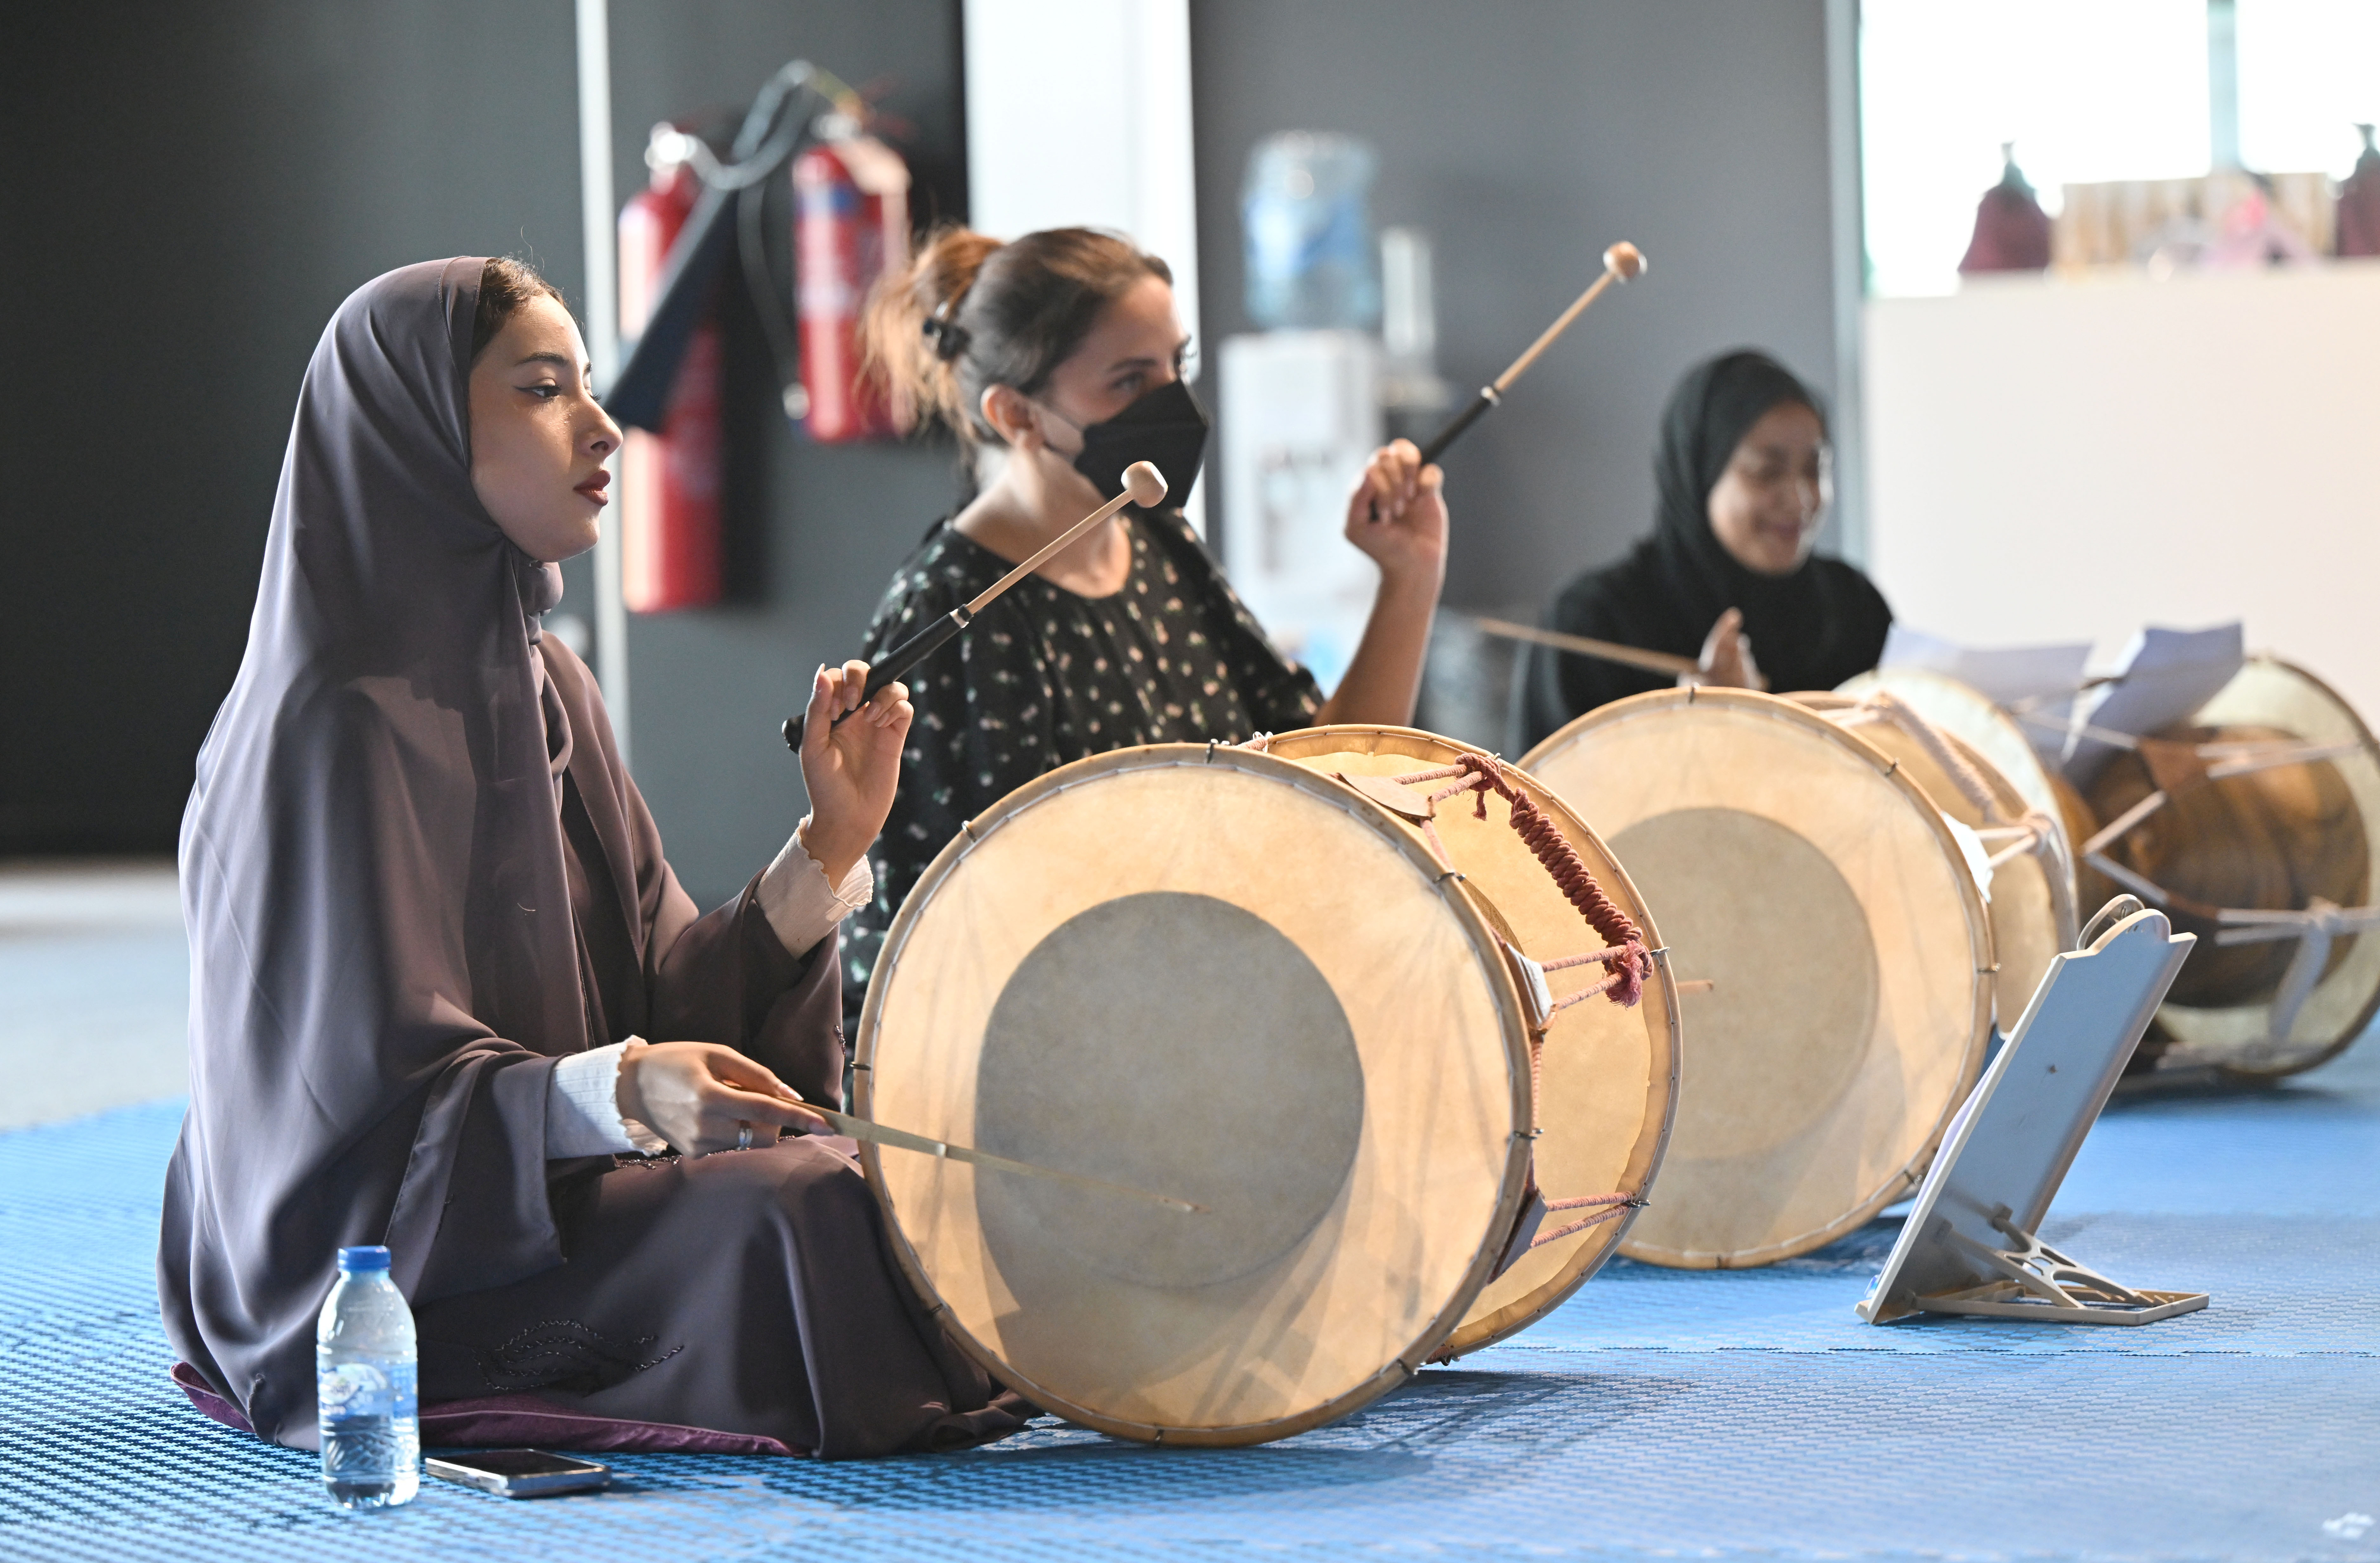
{"points": [[800, 905], [582, 1109]]}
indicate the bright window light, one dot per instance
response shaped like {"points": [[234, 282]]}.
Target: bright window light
{"points": [[2088, 90], [2308, 74]]}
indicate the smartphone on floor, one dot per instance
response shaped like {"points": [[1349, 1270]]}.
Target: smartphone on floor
{"points": [[520, 1474]]}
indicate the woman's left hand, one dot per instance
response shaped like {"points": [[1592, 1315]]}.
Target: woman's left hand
{"points": [[1727, 661], [1397, 516], [851, 769]]}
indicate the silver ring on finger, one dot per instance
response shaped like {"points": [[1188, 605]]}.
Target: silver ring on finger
{"points": [[743, 1135]]}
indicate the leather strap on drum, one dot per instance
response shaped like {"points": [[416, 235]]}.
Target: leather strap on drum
{"points": [[1632, 963], [2032, 834], [1899, 712], [1607, 1207], [1530, 1234]]}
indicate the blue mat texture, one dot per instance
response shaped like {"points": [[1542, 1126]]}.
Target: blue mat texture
{"points": [[1660, 1414]]}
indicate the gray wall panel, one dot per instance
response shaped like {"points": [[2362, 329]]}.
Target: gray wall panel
{"points": [[192, 190], [196, 188], [1526, 135]]}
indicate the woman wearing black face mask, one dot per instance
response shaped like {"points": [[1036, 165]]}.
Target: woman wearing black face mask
{"points": [[1057, 358]]}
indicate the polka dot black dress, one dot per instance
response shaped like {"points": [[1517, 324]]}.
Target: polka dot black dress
{"points": [[1046, 676]]}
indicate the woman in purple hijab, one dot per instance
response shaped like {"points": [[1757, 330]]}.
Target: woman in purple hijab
{"points": [[447, 996]]}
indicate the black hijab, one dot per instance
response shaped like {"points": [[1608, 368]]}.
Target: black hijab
{"points": [[1811, 629]]}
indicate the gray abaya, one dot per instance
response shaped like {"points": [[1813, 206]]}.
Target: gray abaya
{"points": [[415, 876]]}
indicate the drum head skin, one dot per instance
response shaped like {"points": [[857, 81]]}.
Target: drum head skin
{"points": [[1609, 1075], [2031, 895], [1966, 712], [1214, 975], [1821, 893], [2269, 693]]}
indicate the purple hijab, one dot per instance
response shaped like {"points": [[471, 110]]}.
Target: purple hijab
{"points": [[383, 961]]}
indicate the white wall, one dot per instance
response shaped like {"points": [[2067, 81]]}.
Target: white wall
{"points": [[2055, 460]]}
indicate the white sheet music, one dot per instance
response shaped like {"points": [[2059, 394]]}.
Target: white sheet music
{"points": [[2163, 676], [2005, 673]]}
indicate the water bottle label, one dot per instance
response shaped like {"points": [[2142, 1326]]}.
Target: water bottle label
{"points": [[366, 1391]]}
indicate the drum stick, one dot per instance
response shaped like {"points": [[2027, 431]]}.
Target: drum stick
{"points": [[1621, 262], [1609, 650], [1143, 486], [901, 1139]]}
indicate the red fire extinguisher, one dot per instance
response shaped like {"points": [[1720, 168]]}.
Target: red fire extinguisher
{"points": [[669, 481], [851, 226]]}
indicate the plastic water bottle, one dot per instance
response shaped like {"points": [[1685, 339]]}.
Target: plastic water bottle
{"points": [[1306, 205], [365, 1376]]}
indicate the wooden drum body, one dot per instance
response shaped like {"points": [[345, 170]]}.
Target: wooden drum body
{"points": [[2239, 855], [1606, 1084], [1821, 894], [1219, 976]]}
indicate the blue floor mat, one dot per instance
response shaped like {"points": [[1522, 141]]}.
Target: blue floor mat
{"points": [[1660, 1413]]}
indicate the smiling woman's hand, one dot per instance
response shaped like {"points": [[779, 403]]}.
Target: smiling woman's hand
{"points": [[697, 1096], [1727, 661]]}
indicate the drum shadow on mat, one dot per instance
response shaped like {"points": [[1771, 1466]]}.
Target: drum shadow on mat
{"points": [[1457, 1414], [1861, 1251]]}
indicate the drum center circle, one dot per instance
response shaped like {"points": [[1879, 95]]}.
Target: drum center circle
{"points": [[1760, 911], [1179, 1044]]}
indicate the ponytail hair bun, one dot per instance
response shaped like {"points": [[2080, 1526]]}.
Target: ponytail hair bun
{"points": [[972, 312]]}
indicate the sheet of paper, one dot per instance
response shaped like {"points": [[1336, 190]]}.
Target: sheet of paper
{"points": [[2164, 676], [2008, 675], [2038, 680]]}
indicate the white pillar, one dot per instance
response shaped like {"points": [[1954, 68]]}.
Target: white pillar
{"points": [[601, 314], [1078, 116], [1848, 227]]}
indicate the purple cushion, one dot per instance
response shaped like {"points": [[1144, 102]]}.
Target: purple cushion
{"points": [[506, 1420]]}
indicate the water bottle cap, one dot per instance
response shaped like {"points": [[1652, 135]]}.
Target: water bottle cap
{"points": [[353, 1261]]}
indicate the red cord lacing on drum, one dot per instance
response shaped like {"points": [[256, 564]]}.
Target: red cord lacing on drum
{"points": [[1633, 964], [1606, 1207], [1625, 952]]}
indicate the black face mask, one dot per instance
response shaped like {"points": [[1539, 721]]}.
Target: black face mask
{"points": [[1166, 426]]}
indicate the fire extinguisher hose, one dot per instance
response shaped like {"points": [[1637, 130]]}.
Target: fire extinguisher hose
{"points": [[638, 393]]}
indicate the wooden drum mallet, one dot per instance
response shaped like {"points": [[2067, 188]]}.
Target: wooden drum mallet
{"points": [[1621, 263]]}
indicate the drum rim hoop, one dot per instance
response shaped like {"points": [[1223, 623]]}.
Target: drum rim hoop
{"points": [[1979, 942], [2064, 915], [2050, 781], [1983, 701], [1661, 1080], [1401, 1367]]}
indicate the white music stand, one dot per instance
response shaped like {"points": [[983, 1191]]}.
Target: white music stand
{"points": [[1970, 1243]]}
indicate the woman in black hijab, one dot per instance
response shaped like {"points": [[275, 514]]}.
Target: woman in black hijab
{"points": [[447, 995], [1728, 577]]}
